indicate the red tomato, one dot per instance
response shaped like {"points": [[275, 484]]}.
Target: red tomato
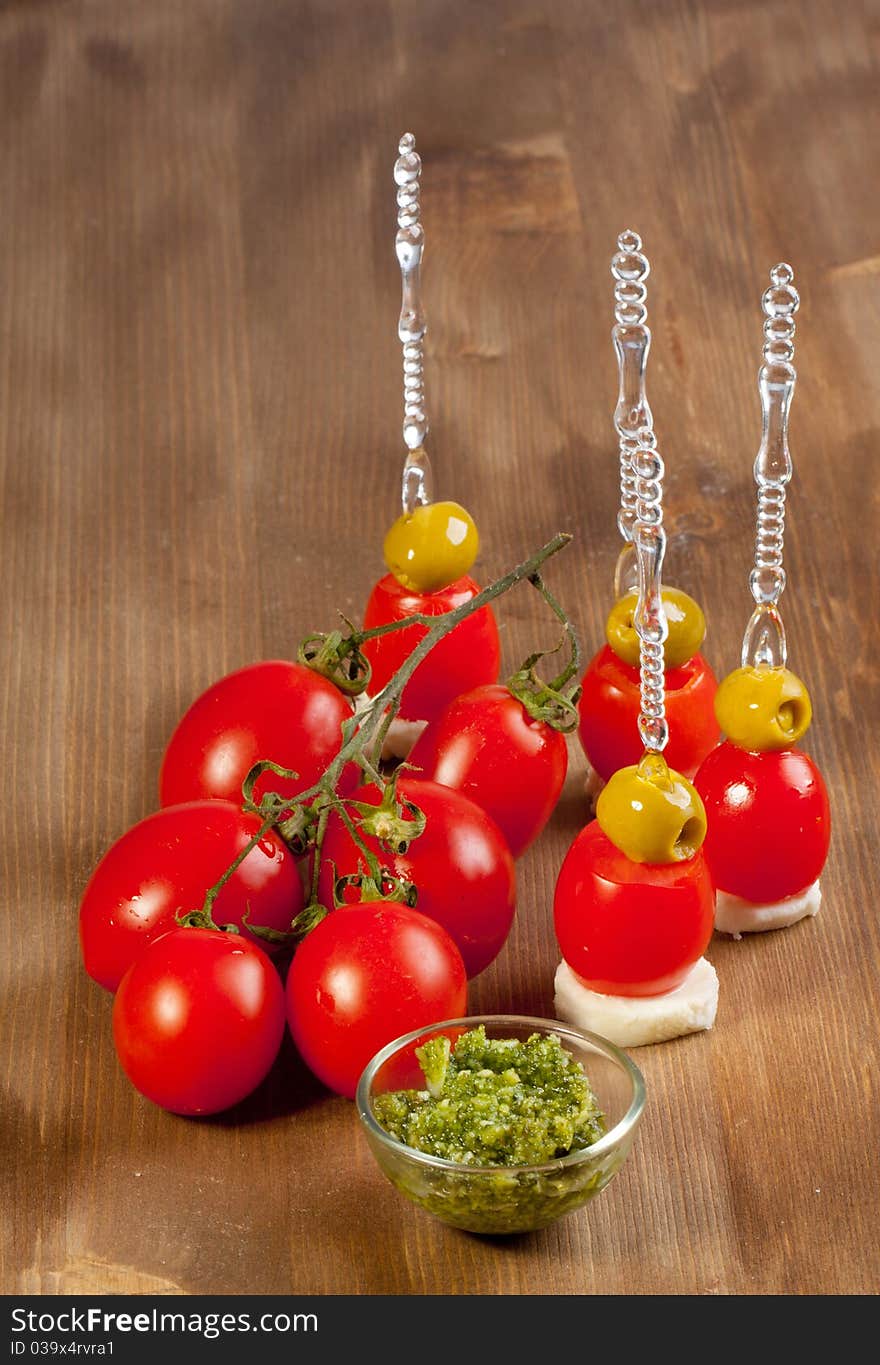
{"points": [[609, 709], [470, 655], [631, 928], [364, 976], [278, 710], [486, 745], [166, 863], [769, 821], [198, 1020], [460, 863]]}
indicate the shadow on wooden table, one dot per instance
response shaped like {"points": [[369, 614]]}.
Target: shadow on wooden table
{"points": [[288, 1088]]}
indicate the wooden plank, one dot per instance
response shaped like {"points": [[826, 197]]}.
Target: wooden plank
{"points": [[199, 445]]}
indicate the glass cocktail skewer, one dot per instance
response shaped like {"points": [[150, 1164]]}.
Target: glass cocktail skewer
{"points": [[432, 545], [610, 699], [764, 640], [649, 539], [412, 325], [769, 821], [631, 335], [634, 903]]}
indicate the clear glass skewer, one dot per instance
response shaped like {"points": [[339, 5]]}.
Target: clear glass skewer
{"points": [[412, 325], [630, 269], [649, 539], [764, 639]]}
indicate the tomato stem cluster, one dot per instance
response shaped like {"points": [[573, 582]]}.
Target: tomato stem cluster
{"points": [[302, 821], [547, 701]]}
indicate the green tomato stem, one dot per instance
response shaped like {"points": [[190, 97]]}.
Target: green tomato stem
{"points": [[204, 918], [573, 667], [371, 860]]}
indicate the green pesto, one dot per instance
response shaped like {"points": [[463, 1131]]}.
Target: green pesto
{"points": [[495, 1102]]}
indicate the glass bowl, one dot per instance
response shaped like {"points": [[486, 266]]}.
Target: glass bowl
{"points": [[505, 1199]]}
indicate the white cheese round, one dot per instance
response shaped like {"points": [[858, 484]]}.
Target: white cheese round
{"points": [[402, 734], [735, 916], [401, 737], [633, 1021]]}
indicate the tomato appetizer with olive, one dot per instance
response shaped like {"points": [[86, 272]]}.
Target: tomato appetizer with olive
{"points": [[609, 703], [428, 553], [634, 911], [764, 794]]}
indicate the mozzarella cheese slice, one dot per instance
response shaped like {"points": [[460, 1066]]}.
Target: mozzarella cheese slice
{"points": [[402, 734], [633, 1021], [401, 737], [735, 916]]}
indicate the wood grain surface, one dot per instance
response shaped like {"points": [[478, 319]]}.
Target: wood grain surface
{"points": [[199, 435]]}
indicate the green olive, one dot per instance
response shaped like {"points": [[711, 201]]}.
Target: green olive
{"points": [[431, 547], [684, 617], [763, 708], [652, 813]]}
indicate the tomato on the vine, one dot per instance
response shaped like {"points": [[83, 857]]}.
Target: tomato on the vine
{"points": [[198, 1020], [486, 745], [609, 714], [468, 656], [164, 865], [629, 928], [274, 710], [363, 976], [769, 821], [460, 864]]}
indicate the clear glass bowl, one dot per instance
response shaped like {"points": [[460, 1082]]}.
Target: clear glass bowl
{"points": [[505, 1199]]}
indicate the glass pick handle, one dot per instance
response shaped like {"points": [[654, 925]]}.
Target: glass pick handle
{"points": [[412, 325], [650, 622], [764, 639], [632, 342]]}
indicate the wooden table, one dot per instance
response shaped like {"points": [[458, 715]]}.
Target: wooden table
{"points": [[199, 427]]}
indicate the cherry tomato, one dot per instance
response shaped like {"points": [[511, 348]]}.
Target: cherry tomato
{"points": [[460, 863], [165, 864], [609, 711], [278, 710], [198, 1020], [629, 928], [470, 655], [769, 821], [363, 976], [486, 745]]}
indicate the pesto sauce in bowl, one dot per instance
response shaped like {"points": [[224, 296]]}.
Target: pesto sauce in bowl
{"points": [[495, 1102], [499, 1138]]}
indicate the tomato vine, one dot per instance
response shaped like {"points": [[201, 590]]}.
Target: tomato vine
{"points": [[302, 820]]}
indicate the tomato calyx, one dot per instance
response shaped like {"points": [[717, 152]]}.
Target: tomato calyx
{"points": [[543, 701], [554, 702], [338, 658], [371, 889], [297, 824], [305, 921], [395, 822], [203, 919]]}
